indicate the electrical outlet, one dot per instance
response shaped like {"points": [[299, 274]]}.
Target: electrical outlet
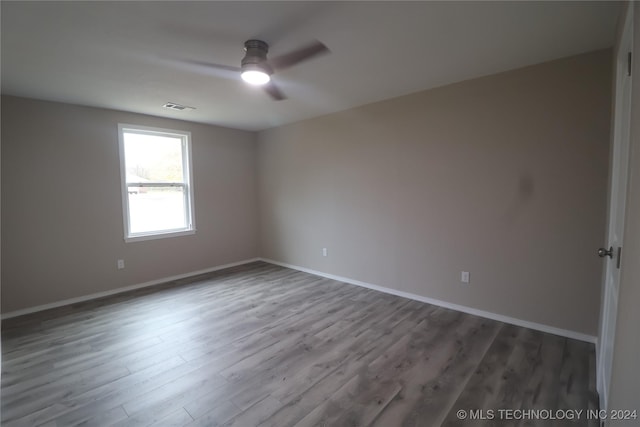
{"points": [[464, 277], [324, 252], [120, 264]]}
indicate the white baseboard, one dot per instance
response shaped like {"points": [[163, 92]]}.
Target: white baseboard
{"points": [[121, 290], [481, 313], [486, 314]]}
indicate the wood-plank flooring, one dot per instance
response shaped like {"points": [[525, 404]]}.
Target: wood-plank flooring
{"points": [[262, 345]]}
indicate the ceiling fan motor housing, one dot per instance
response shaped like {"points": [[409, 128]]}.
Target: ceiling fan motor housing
{"points": [[256, 56]]}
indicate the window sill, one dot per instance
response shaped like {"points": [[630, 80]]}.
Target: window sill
{"points": [[163, 235]]}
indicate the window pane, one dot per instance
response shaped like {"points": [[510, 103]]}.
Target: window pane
{"points": [[153, 158], [157, 188], [156, 209]]}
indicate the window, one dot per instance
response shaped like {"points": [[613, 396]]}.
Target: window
{"points": [[157, 193]]}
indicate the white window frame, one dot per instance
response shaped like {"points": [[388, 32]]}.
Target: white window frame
{"points": [[187, 169]]}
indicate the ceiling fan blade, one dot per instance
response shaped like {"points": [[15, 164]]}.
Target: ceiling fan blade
{"points": [[178, 63], [274, 91], [197, 67], [303, 54], [214, 65]]}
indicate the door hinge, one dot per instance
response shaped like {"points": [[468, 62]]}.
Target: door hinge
{"points": [[619, 257], [629, 64]]}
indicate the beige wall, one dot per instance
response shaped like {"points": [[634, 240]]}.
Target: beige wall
{"points": [[62, 226], [625, 382], [503, 176]]}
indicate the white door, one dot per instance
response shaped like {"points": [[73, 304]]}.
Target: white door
{"points": [[618, 192]]}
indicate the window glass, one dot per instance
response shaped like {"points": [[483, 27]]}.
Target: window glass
{"points": [[156, 180]]}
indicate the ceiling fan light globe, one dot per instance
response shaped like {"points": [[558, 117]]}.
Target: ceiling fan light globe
{"points": [[255, 77]]}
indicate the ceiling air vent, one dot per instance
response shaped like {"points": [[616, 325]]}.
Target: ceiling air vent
{"points": [[177, 107]]}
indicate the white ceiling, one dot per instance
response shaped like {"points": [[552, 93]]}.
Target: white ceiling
{"points": [[131, 55]]}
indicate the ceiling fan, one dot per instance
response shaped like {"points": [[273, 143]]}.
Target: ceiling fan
{"points": [[256, 69]]}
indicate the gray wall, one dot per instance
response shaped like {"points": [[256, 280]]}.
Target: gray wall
{"points": [[503, 176], [62, 226], [625, 382]]}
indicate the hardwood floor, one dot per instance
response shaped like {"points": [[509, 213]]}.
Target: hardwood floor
{"points": [[264, 345]]}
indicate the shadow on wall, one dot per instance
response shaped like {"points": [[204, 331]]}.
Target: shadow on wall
{"points": [[525, 188]]}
